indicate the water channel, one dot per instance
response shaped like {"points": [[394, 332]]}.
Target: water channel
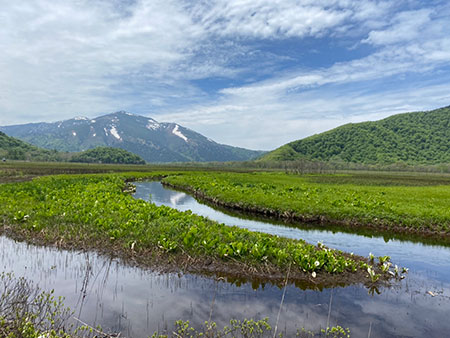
{"points": [[137, 302]]}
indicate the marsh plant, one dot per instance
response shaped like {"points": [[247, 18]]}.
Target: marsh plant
{"points": [[392, 203], [26, 311], [246, 328]]}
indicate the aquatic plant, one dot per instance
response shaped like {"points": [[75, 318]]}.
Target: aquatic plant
{"points": [[374, 277], [384, 259], [336, 332], [245, 328]]}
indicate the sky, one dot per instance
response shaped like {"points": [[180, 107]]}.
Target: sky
{"points": [[249, 73]]}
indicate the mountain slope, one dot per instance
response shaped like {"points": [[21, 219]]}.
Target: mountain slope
{"points": [[419, 137], [14, 149], [153, 141]]}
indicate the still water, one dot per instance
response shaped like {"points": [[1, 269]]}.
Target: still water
{"points": [[137, 302]]}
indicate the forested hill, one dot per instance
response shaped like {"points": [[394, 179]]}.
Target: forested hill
{"points": [[14, 149], [107, 155], [419, 137]]}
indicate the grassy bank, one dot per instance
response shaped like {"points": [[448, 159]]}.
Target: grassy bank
{"points": [[94, 212], [401, 203]]}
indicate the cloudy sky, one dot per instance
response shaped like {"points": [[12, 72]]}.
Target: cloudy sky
{"points": [[250, 73]]}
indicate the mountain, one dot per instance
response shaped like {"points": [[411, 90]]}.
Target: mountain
{"points": [[418, 137], [14, 149], [153, 141], [106, 155]]}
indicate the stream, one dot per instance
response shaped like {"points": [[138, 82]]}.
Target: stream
{"points": [[137, 302]]}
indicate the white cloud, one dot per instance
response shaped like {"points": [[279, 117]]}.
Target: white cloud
{"points": [[286, 18], [413, 44], [268, 123], [61, 59], [406, 26], [266, 18], [73, 55]]}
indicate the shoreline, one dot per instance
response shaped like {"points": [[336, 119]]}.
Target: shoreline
{"points": [[321, 221], [232, 271]]}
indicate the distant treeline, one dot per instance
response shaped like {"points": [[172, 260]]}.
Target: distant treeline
{"points": [[107, 155], [304, 166]]}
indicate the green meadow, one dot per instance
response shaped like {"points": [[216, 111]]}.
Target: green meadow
{"points": [[402, 202]]}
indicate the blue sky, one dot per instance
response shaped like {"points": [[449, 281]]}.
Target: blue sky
{"points": [[250, 73]]}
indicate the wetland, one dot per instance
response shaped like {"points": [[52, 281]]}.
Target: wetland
{"points": [[106, 283]]}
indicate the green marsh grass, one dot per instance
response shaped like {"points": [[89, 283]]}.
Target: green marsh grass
{"points": [[374, 200], [77, 209]]}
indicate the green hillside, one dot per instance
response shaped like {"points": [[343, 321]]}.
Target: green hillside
{"points": [[419, 137], [107, 155], [14, 149]]}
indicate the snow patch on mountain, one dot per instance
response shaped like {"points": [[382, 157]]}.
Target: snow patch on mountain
{"points": [[115, 133], [178, 133], [152, 124]]}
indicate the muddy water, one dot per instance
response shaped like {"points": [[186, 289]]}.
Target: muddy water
{"points": [[137, 302]]}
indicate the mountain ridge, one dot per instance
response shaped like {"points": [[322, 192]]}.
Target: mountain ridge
{"points": [[144, 136]]}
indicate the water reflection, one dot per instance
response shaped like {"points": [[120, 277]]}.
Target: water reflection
{"points": [[428, 260], [137, 302]]}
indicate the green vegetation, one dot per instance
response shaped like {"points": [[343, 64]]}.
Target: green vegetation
{"points": [[374, 202], [107, 155], [245, 329], [81, 210], [27, 312], [14, 149], [414, 138], [371, 178]]}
